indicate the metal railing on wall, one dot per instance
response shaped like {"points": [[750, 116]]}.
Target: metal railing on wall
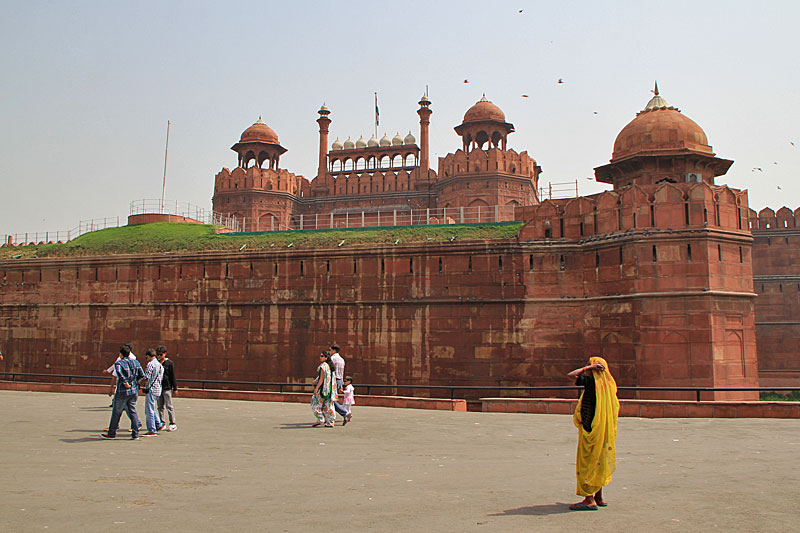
{"points": [[557, 191], [451, 391], [400, 216], [52, 237], [186, 210]]}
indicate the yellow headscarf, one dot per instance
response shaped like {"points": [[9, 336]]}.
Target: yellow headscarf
{"points": [[597, 453]]}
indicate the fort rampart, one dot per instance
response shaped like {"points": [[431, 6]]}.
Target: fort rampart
{"points": [[776, 279], [657, 278]]}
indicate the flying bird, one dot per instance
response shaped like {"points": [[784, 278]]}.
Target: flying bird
{"points": [[774, 162], [521, 10], [595, 112], [466, 80], [790, 142], [756, 168], [779, 188], [524, 95], [560, 80]]}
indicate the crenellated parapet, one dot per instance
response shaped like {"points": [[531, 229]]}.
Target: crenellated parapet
{"points": [[767, 219], [492, 161], [260, 179], [667, 206]]}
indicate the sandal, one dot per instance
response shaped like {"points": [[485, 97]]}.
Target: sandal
{"points": [[582, 507]]}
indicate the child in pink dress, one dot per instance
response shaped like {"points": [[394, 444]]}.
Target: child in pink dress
{"points": [[349, 399]]}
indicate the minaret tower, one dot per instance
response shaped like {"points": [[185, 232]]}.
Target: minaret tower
{"points": [[424, 113], [321, 184]]}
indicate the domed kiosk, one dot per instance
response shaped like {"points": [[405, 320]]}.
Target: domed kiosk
{"points": [[661, 144], [484, 123], [259, 143]]}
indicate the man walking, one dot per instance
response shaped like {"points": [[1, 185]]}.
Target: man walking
{"points": [[338, 370], [127, 374], [168, 388], [153, 376]]}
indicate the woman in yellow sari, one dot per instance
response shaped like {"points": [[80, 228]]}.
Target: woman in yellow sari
{"points": [[596, 419]]}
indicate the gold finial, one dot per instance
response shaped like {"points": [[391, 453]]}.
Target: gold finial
{"points": [[655, 91]]}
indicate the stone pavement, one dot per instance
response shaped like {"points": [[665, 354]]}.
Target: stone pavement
{"points": [[257, 466]]}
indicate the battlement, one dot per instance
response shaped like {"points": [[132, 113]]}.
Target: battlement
{"points": [[767, 219], [666, 206], [493, 160], [262, 179]]}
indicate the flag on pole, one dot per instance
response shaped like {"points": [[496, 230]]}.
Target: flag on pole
{"points": [[377, 112]]}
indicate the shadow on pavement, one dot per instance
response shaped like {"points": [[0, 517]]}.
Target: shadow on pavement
{"points": [[550, 508], [96, 438], [303, 425]]}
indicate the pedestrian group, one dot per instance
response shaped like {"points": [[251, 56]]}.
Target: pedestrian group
{"points": [[157, 383]]}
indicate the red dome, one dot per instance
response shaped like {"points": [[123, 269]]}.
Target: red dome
{"points": [[484, 110], [660, 129], [259, 132]]}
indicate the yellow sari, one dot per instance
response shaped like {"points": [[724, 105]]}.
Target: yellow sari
{"points": [[597, 454]]}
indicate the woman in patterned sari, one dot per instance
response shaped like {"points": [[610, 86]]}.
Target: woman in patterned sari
{"points": [[324, 393], [596, 419]]}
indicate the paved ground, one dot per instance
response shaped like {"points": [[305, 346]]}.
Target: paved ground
{"points": [[252, 466]]}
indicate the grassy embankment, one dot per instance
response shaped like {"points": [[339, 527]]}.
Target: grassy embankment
{"points": [[176, 237]]}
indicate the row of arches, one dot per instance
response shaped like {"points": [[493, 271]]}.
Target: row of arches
{"points": [[373, 163]]}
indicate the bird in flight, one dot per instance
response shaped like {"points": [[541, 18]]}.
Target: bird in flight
{"points": [[779, 187], [524, 95], [757, 168], [466, 80], [560, 80], [595, 112]]}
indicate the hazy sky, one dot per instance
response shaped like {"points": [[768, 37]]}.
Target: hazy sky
{"points": [[88, 88]]}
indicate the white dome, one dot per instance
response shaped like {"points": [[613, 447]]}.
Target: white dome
{"points": [[409, 139], [361, 143], [337, 144], [373, 141], [385, 140], [397, 140], [349, 144]]}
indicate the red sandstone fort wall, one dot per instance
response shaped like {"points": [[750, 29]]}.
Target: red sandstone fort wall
{"points": [[665, 296], [776, 278]]}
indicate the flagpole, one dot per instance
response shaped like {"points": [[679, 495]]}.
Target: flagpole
{"points": [[377, 118], [164, 182]]}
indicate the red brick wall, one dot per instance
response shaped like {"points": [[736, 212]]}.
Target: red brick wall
{"points": [[776, 270], [516, 312]]}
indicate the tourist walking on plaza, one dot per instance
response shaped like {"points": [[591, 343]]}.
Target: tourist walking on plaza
{"points": [[338, 370], [596, 419], [324, 395], [153, 375], [127, 374], [168, 389], [349, 399]]}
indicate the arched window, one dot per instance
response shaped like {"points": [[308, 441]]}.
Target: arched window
{"points": [[348, 165], [360, 163], [397, 161], [386, 162], [411, 160]]}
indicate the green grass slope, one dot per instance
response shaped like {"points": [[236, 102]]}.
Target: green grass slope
{"points": [[177, 237]]}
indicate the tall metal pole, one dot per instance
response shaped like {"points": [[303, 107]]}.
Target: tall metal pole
{"points": [[164, 182]]}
